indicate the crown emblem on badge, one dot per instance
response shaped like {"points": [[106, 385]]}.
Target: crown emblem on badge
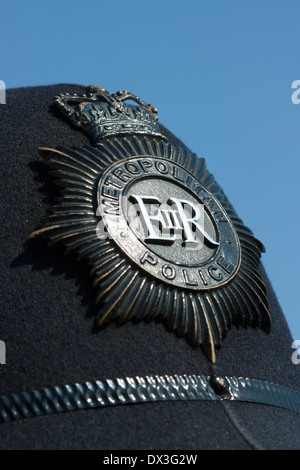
{"points": [[101, 114]]}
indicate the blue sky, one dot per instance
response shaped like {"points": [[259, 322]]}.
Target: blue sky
{"points": [[220, 73]]}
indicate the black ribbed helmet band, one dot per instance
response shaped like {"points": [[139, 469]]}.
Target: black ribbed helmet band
{"points": [[147, 389]]}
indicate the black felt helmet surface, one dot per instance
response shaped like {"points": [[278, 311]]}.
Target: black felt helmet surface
{"points": [[48, 301]]}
